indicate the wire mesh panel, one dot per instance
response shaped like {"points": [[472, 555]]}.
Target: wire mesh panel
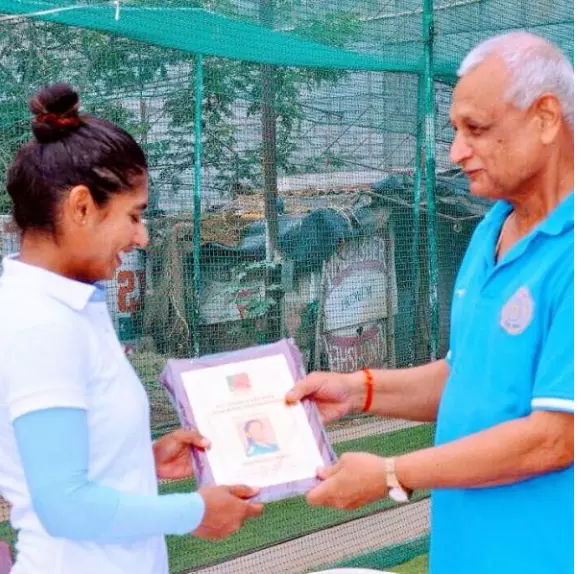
{"points": [[288, 198]]}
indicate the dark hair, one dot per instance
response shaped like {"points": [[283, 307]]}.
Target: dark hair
{"points": [[248, 424], [68, 149]]}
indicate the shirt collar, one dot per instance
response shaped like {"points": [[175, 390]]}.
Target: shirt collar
{"points": [[561, 218], [74, 294]]}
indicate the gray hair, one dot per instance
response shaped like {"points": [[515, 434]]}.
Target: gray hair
{"points": [[537, 67]]}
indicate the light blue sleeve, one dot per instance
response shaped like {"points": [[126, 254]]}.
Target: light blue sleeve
{"points": [[53, 446]]}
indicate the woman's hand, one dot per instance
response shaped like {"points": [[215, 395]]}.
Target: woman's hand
{"points": [[172, 453]]}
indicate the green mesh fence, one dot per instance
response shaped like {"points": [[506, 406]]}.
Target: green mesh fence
{"points": [[300, 186]]}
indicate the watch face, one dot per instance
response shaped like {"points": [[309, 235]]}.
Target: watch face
{"points": [[398, 495]]}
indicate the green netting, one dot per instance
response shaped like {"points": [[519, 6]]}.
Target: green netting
{"points": [[184, 27], [290, 196], [201, 32]]}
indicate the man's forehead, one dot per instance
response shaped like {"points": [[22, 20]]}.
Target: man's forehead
{"points": [[478, 110], [481, 91]]}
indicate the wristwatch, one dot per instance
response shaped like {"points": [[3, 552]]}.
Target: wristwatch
{"points": [[397, 492]]}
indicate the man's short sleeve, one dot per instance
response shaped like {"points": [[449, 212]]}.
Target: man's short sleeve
{"points": [[44, 367], [554, 382]]}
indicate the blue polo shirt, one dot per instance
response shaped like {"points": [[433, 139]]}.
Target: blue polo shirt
{"points": [[511, 352]]}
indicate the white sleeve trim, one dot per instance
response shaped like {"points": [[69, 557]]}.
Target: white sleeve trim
{"points": [[552, 404]]}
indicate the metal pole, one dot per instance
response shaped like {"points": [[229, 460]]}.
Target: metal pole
{"points": [[415, 244], [429, 137], [269, 143], [196, 238]]}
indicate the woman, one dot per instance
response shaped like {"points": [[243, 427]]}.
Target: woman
{"points": [[78, 464]]}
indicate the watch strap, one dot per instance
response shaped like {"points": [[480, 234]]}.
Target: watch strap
{"points": [[396, 490]]}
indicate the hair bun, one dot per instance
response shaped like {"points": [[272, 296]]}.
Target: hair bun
{"points": [[55, 110]]}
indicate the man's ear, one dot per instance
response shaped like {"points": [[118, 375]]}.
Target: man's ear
{"points": [[550, 116]]}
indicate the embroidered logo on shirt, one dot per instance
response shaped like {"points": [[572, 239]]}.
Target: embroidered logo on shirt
{"points": [[517, 313]]}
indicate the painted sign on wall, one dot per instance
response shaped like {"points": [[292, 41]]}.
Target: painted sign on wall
{"points": [[125, 296], [359, 304]]}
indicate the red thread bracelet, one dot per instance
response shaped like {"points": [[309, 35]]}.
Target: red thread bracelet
{"points": [[369, 383]]}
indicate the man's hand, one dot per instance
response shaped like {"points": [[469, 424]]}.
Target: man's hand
{"points": [[172, 453], [357, 479], [226, 510], [335, 394]]}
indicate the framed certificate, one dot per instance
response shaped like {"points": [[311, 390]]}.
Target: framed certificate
{"points": [[237, 401]]}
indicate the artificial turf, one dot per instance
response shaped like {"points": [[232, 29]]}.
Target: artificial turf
{"points": [[419, 565]]}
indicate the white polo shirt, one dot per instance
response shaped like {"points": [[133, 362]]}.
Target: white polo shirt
{"points": [[51, 326]]}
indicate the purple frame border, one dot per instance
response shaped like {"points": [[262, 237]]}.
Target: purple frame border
{"points": [[171, 379]]}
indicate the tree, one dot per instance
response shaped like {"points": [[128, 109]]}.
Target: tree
{"points": [[150, 93]]}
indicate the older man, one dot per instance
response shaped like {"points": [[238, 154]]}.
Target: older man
{"points": [[502, 466]]}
